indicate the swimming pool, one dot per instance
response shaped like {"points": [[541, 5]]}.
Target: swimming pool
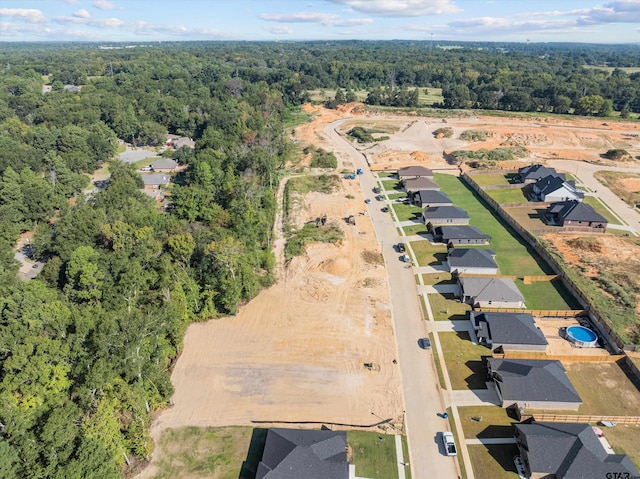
{"points": [[582, 337]]}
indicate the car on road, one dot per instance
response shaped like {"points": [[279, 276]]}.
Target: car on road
{"points": [[424, 343], [449, 444], [406, 258], [367, 201], [401, 248], [385, 210], [376, 190], [379, 197]]}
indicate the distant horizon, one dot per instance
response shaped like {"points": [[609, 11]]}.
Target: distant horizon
{"points": [[140, 21]]}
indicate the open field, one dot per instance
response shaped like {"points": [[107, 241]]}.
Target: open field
{"points": [[625, 185], [628, 70], [464, 360], [426, 97], [494, 461]]}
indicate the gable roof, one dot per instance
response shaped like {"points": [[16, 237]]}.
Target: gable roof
{"points": [[471, 258], [535, 172], [155, 179], [460, 232], [490, 289], [570, 451], [421, 183], [550, 184], [296, 453], [442, 212], [414, 170], [576, 211], [533, 380], [432, 196], [164, 164], [510, 328]]}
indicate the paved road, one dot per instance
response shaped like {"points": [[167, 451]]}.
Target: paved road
{"points": [[584, 172], [421, 391]]}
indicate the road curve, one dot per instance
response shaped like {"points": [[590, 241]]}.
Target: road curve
{"points": [[420, 387]]}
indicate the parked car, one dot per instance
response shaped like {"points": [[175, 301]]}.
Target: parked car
{"points": [[424, 343], [449, 444], [379, 197], [367, 201], [385, 210], [401, 248], [376, 189], [406, 258]]}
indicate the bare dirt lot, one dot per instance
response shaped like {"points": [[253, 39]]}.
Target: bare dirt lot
{"points": [[296, 353]]}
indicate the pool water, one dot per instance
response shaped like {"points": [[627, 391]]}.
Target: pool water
{"points": [[582, 336]]}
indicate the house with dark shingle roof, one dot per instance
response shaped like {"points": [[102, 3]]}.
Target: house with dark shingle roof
{"points": [[487, 292], [303, 453], [472, 261], [533, 384], [553, 188], [414, 171], [425, 198], [165, 165], [459, 235], [508, 331], [416, 184], [441, 215], [568, 451], [533, 173], [574, 213]]}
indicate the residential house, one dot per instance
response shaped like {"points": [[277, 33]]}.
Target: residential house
{"points": [[441, 215], [459, 235], [533, 384], [551, 189], [508, 331], [533, 173], [165, 165], [303, 453], [413, 185], [414, 171], [472, 261], [177, 141], [155, 180], [487, 292], [568, 451], [425, 198], [574, 213]]}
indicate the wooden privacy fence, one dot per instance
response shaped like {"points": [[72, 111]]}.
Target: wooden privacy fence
{"points": [[548, 313], [575, 418], [601, 358], [535, 279]]}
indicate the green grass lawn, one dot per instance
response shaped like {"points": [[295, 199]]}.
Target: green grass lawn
{"points": [[405, 212], [494, 422], [547, 295], [446, 307], [464, 360], [597, 205], [438, 278], [427, 253], [385, 174], [513, 255], [374, 458], [414, 230], [437, 362], [491, 179], [391, 186], [512, 195], [624, 440], [405, 454], [494, 461], [217, 453], [395, 196]]}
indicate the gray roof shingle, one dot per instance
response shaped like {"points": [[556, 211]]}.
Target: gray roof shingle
{"points": [[414, 170], [422, 183], [449, 233], [471, 258], [444, 212], [535, 172], [510, 328], [432, 197], [576, 211], [490, 289]]}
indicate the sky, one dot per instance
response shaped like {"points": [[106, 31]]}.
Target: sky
{"points": [[140, 21]]}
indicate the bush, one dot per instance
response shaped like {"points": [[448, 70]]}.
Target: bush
{"points": [[445, 132], [475, 135], [308, 234], [484, 158], [361, 135], [323, 159], [617, 154]]}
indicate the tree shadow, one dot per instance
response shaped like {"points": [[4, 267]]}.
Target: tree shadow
{"points": [[254, 454]]}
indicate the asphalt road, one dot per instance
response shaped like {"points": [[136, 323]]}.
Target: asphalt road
{"points": [[421, 391]]}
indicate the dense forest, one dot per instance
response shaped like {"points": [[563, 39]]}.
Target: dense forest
{"points": [[85, 348]]}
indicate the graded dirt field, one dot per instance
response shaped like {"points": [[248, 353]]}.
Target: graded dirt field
{"points": [[296, 353]]}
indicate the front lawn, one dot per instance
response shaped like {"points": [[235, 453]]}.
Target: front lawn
{"points": [[415, 229], [438, 278], [390, 185], [547, 295], [395, 196], [428, 254], [446, 307], [385, 174], [494, 461], [373, 454], [597, 205], [405, 212], [486, 422], [513, 255], [465, 365]]}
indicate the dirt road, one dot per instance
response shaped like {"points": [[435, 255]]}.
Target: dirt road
{"points": [[422, 397]]}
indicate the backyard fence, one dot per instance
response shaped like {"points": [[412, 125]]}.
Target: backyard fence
{"points": [[601, 358], [575, 418], [547, 313], [535, 279]]}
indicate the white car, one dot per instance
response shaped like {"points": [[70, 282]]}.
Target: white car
{"points": [[449, 444]]}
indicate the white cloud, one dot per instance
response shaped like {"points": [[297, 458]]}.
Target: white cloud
{"points": [[92, 22], [401, 8], [29, 15], [497, 26], [620, 11], [353, 22], [279, 30], [300, 17], [72, 2], [81, 14], [104, 5]]}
